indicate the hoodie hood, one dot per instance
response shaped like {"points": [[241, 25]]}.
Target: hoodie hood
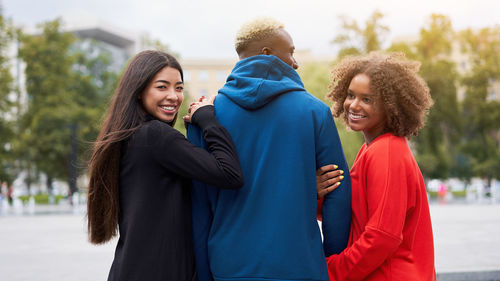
{"points": [[257, 80]]}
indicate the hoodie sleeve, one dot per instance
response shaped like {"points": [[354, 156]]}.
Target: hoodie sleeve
{"points": [[202, 215], [336, 208]]}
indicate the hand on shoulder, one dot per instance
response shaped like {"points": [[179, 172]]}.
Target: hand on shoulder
{"points": [[195, 105]]}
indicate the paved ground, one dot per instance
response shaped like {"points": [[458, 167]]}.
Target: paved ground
{"points": [[51, 245]]}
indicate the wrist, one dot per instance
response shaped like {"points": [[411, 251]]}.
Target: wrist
{"points": [[203, 116]]}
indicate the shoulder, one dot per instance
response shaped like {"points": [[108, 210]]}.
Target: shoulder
{"points": [[305, 103], [388, 148], [155, 131], [312, 100]]}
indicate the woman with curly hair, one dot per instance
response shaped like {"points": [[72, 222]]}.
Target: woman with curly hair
{"points": [[383, 97]]}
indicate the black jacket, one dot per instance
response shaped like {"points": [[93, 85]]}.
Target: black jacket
{"points": [[156, 167]]}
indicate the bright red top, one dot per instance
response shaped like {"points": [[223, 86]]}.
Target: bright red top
{"points": [[391, 232]]}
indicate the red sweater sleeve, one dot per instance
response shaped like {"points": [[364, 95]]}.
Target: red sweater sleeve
{"points": [[319, 209], [383, 176]]}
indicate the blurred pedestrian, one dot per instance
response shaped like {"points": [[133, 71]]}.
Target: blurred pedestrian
{"points": [[3, 193], [141, 170], [442, 192], [10, 194], [383, 97]]}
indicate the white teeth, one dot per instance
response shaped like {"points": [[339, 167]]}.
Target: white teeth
{"points": [[168, 107], [355, 116]]}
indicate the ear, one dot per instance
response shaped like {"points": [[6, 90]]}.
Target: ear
{"points": [[266, 51]]}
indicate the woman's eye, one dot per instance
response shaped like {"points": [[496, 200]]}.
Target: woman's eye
{"points": [[367, 100], [161, 87], [180, 88]]}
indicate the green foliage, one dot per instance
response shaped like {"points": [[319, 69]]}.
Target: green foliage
{"points": [[403, 47], [436, 38], [315, 77], [67, 90], [355, 40], [6, 104], [183, 111], [437, 143], [480, 113], [41, 199]]}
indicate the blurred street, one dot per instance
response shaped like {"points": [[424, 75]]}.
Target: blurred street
{"points": [[51, 244]]}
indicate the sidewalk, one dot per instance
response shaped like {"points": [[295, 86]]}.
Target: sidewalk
{"points": [[49, 246], [467, 241]]}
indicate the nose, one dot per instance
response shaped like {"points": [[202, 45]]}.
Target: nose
{"points": [[171, 95], [295, 65], [354, 104]]}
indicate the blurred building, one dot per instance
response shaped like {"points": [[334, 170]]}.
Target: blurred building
{"points": [[95, 39], [204, 77], [101, 40]]}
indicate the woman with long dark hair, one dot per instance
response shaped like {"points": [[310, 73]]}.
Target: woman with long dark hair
{"points": [[141, 170]]}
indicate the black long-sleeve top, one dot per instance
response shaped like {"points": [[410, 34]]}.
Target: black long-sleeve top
{"points": [[156, 167]]}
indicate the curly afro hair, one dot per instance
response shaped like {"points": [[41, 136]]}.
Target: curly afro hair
{"points": [[404, 94]]}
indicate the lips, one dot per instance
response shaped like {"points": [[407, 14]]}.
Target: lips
{"points": [[168, 108], [355, 116]]}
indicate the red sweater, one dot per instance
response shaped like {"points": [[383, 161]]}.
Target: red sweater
{"points": [[391, 232]]}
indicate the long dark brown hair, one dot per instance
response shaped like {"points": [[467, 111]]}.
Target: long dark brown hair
{"points": [[125, 114]]}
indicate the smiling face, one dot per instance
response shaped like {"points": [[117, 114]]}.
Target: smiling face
{"points": [[363, 109], [163, 96]]}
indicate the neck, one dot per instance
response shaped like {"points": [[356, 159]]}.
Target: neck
{"points": [[370, 136]]}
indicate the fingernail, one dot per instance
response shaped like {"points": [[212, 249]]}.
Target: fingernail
{"points": [[341, 172], [337, 184], [341, 177], [335, 166]]}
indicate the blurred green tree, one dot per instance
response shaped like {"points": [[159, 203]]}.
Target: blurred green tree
{"points": [[67, 93], [437, 143], [355, 40], [7, 104], [481, 109]]}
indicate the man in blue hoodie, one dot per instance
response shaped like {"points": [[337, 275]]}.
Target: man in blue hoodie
{"points": [[267, 230]]}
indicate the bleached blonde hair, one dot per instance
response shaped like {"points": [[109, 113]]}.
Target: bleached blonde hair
{"points": [[254, 30]]}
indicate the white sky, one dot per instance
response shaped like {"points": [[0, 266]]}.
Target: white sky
{"points": [[206, 28]]}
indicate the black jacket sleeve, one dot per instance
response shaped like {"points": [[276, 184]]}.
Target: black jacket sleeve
{"points": [[219, 166]]}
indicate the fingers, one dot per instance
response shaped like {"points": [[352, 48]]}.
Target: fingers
{"points": [[331, 175], [330, 182], [325, 191], [328, 178], [202, 101], [325, 169]]}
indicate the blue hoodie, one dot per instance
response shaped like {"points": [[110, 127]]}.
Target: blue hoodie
{"points": [[267, 230]]}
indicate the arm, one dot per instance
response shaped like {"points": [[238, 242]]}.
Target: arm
{"points": [[218, 166], [202, 215], [327, 180], [386, 195], [336, 208]]}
